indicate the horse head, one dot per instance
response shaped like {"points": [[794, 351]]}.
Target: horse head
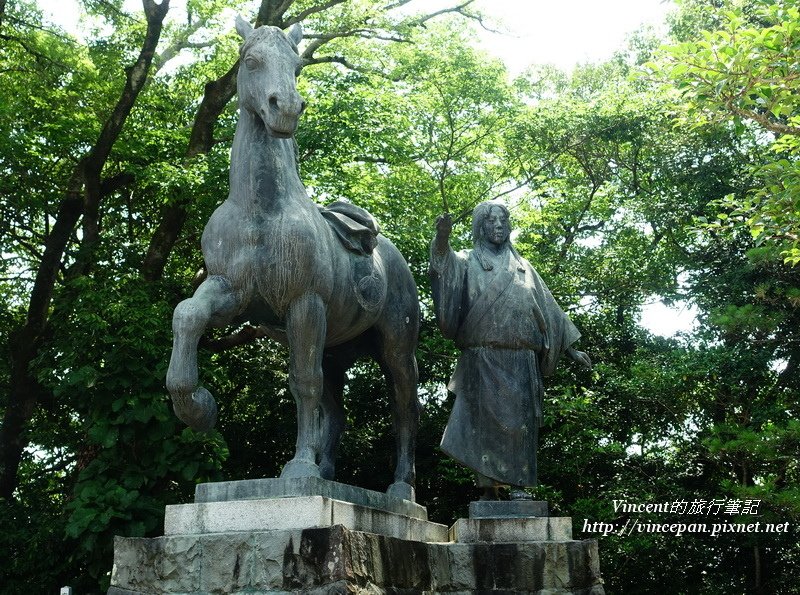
{"points": [[266, 83]]}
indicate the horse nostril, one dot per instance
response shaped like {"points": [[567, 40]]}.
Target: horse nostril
{"points": [[273, 102]]}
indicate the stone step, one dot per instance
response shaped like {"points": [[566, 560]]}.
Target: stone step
{"points": [[512, 530], [257, 489], [295, 513], [490, 509]]}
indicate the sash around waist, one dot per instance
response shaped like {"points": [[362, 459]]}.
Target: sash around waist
{"points": [[516, 345]]}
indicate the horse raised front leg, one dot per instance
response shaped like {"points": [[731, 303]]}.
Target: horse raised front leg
{"points": [[213, 304], [305, 331]]}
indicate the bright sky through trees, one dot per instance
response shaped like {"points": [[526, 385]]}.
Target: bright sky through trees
{"points": [[566, 32], [528, 31]]}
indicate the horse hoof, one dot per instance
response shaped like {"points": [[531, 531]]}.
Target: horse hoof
{"points": [[199, 413], [401, 489], [298, 468]]}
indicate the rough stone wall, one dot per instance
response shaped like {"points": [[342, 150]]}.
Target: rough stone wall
{"points": [[337, 560]]}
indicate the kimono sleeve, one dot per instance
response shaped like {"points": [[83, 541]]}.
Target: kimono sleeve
{"points": [[560, 333], [448, 284]]}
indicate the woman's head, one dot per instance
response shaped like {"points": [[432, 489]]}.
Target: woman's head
{"points": [[490, 222]]}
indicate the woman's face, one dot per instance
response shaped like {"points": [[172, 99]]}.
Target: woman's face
{"points": [[495, 227]]}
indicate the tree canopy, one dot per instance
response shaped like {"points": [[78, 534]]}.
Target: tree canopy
{"points": [[669, 172]]}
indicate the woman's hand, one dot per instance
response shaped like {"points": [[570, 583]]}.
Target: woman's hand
{"points": [[580, 358]]}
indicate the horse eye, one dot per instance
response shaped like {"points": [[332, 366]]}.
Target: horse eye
{"points": [[251, 63]]}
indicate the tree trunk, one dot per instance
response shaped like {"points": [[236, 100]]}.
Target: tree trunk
{"points": [[25, 342], [759, 588], [21, 405], [83, 195]]}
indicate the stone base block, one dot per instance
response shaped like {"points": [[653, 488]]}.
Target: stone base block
{"points": [[273, 536], [510, 530], [255, 489], [337, 560], [489, 509], [295, 513]]}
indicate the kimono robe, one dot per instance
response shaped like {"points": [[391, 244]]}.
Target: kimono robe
{"points": [[510, 332]]}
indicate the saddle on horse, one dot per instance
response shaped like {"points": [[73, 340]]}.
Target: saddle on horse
{"points": [[357, 231]]}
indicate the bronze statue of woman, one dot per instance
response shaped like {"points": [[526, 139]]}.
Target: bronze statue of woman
{"points": [[511, 333]]}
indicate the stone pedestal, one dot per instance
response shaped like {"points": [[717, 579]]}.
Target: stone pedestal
{"points": [[512, 530], [493, 509], [301, 542], [298, 512]]}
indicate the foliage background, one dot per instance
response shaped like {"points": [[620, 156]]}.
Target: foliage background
{"points": [[668, 172]]}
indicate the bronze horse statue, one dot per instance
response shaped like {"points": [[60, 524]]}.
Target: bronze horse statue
{"points": [[332, 293]]}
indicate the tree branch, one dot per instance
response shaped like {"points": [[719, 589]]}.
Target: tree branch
{"points": [[573, 230], [136, 76], [180, 42], [303, 14], [285, 6], [394, 5], [35, 53], [270, 12], [457, 9], [764, 120], [63, 38], [110, 185], [344, 62], [363, 33], [33, 250]]}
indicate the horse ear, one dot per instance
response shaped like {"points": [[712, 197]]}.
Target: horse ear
{"points": [[295, 34], [243, 28]]}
